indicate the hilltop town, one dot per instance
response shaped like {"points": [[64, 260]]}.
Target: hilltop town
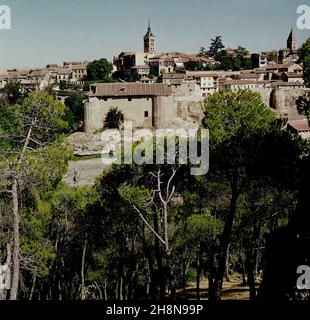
{"points": [[153, 175], [167, 89]]}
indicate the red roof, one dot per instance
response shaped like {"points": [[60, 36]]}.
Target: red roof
{"points": [[300, 125], [130, 89]]}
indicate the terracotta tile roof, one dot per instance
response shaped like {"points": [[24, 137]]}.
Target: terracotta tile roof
{"points": [[248, 76], [293, 75], [63, 71], [39, 72], [285, 84], [141, 66], [199, 74], [245, 82], [173, 76], [3, 76], [175, 82], [28, 82], [79, 67], [15, 73], [300, 125], [130, 89], [260, 71], [274, 66], [280, 66]]}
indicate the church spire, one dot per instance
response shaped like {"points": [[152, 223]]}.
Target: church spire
{"points": [[149, 30], [292, 41], [149, 27]]}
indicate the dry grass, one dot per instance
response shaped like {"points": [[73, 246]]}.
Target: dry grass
{"points": [[232, 289]]}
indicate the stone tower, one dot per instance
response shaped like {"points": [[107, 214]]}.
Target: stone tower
{"points": [[149, 41], [292, 42]]}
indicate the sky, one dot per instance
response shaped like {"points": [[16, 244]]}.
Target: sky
{"points": [[53, 31]]}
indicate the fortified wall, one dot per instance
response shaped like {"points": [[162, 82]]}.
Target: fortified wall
{"points": [[165, 110], [283, 100], [147, 106]]}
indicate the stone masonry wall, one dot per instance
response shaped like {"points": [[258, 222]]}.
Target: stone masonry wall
{"points": [[95, 111]]}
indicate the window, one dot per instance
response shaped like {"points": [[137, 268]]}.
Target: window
{"points": [[146, 114]]}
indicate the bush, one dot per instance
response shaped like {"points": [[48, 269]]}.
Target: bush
{"points": [[113, 119]]}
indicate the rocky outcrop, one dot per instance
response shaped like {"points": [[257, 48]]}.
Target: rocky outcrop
{"points": [[284, 102]]}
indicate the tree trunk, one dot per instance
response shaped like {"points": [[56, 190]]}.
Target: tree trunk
{"points": [[168, 253], [184, 267], [225, 241], [105, 290], [82, 270], [33, 286], [244, 282], [198, 273], [16, 242], [227, 265], [159, 274], [151, 289], [251, 278], [212, 274]]}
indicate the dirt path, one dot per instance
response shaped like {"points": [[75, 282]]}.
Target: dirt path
{"points": [[232, 290], [86, 172]]}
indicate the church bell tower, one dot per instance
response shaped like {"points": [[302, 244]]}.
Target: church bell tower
{"points": [[292, 42], [149, 40]]}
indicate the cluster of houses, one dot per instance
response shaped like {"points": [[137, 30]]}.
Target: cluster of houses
{"points": [[205, 83], [270, 69], [40, 78], [177, 100], [276, 75]]}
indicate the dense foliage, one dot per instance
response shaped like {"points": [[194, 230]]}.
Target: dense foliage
{"points": [[145, 231]]}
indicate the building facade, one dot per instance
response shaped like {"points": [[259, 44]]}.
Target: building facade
{"points": [[138, 103]]}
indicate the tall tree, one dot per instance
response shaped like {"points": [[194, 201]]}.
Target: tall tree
{"points": [[232, 118], [304, 57], [40, 121], [99, 70], [12, 92], [203, 52], [75, 103], [216, 47]]}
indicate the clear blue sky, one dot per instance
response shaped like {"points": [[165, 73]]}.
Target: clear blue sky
{"points": [[51, 31]]}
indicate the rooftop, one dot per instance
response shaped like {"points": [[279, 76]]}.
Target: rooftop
{"points": [[173, 76], [199, 74], [129, 89], [293, 75], [300, 125], [79, 67], [281, 65]]}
